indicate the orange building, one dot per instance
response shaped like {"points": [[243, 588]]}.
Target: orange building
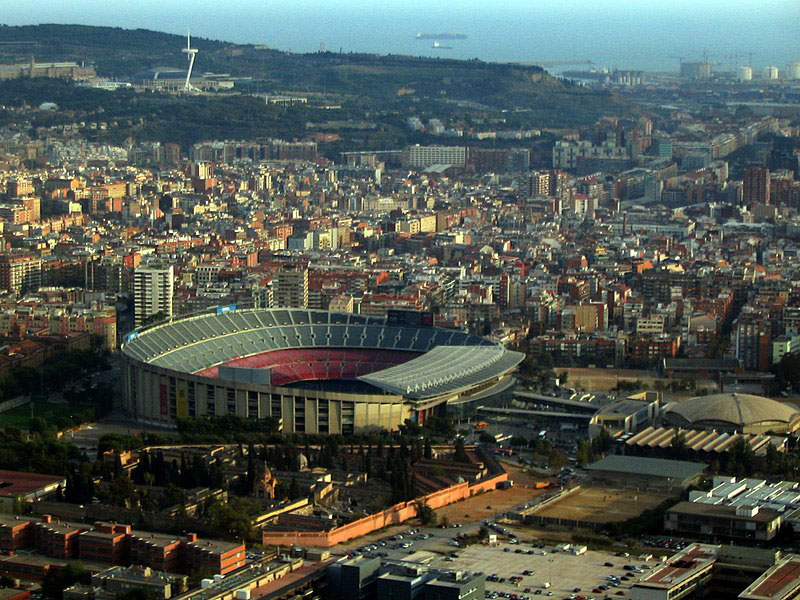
{"points": [[214, 555], [56, 539], [158, 551], [107, 542], [15, 533]]}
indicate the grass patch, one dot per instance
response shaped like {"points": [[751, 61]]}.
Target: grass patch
{"points": [[51, 412]]}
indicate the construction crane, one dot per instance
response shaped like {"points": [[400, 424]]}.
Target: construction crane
{"points": [[734, 59], [680, 60]]}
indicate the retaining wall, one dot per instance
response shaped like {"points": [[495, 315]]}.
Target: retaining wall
{"points": [[14, 403], [391, 516]]}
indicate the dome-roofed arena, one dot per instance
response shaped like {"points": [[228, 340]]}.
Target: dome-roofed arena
{"points": [[742, 413], [316, 371]]}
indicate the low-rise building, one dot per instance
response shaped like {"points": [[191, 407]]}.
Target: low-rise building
{"points": [[712, 521], [18, 485], [645, 473], [161, 585], [215, 556]]}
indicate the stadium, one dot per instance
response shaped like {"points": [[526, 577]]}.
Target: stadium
{"points": [[315, 371], [733, 413]]}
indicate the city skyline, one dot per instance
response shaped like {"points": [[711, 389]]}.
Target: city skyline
{"points": [[382, 320]]}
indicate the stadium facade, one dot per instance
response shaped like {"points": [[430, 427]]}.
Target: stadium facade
{"points": [[315, 371]]}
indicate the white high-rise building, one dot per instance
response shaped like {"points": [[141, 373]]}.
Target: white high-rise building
{"points": [[153, 288], [425, 156], [290, 287]]}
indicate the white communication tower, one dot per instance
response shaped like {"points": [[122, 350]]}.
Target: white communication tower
{"points": [[191, 53]]}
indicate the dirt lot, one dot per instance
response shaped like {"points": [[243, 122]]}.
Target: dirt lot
{"points": [[599, 505], [475, 508], [600, 380]]}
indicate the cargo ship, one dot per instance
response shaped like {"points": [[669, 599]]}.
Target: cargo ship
{"points": [[438, 46], [441, 36]]}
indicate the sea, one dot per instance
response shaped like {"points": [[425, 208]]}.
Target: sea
{"points": [[649, 35]]}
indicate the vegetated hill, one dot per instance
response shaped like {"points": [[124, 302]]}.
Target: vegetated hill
{"points": [[149, 116], [121, 53]]}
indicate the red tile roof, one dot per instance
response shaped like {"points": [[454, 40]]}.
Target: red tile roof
{"points": [[18, 483]]}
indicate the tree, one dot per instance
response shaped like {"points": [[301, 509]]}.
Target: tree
{"points": [[584, 454], [741, 458], [428, 452], [603, 441], [368, 463], [460, 454], [250, 478], [123, 492], [380, 447], [154, 318], [294, 489], [773, 459], [232, 519], [425, 513], [678, 448], [556, 460], [57, 580], [38, 425]]}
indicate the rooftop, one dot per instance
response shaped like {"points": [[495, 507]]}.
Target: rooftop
{"points": [[640, 465], [781, 496], [444, 368], [215, 546], [453, 359], [723, 511], [737, 409], [780, 581], [692, 560], [18, 483]]}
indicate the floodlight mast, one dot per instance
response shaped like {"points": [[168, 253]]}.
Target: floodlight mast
{"points": [[191, 53]]}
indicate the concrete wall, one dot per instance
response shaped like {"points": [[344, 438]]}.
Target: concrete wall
{"points": [[391, 516], [14, 403]]}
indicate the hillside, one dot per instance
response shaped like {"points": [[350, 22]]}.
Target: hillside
{"points": [[383, 89], [122, 52]]}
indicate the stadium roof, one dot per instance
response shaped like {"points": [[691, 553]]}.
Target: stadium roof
{"points": [[737, 409], [453, 359], [640, 465], [444, 369]]}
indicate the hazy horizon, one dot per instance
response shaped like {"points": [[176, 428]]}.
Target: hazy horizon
{"points": [[646, 35]]}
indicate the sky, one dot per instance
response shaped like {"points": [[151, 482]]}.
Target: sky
{"points": [[636, 34]]}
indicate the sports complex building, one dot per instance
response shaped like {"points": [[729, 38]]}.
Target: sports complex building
{"points": [[316, 371]]}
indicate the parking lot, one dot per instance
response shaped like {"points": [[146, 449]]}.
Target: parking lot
{"points": [[569, 576]]}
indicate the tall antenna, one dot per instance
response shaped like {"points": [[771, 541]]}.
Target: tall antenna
{"points": [[191, 53]]}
